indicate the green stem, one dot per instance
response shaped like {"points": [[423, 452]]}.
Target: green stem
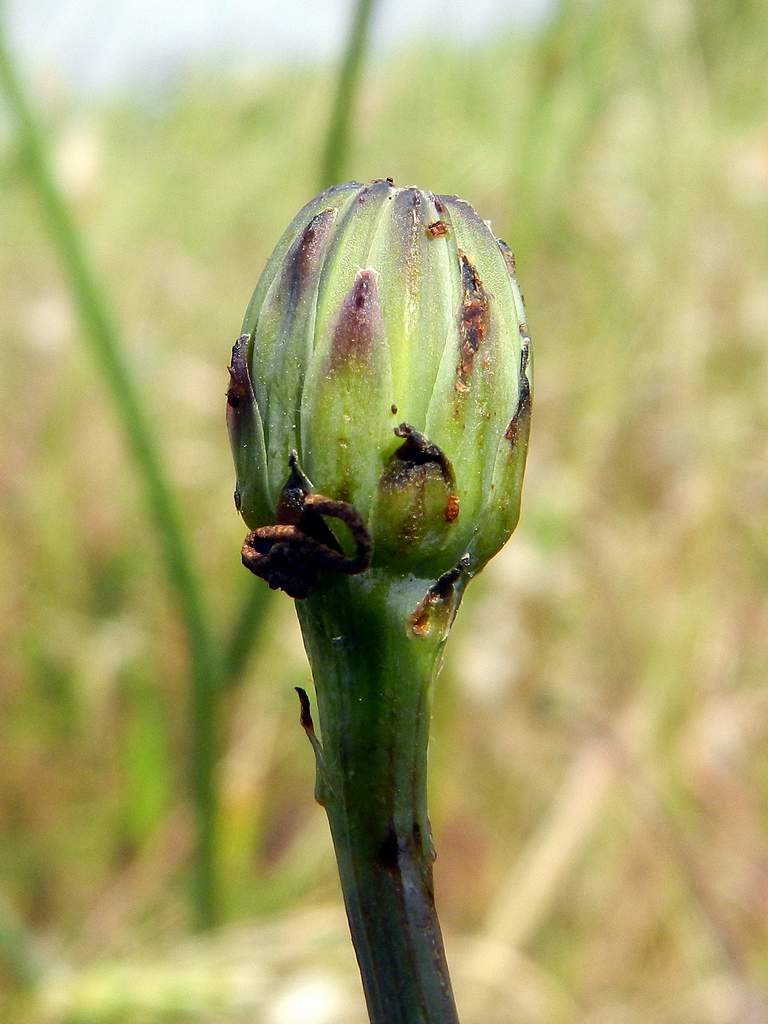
{"points": [[337, 138], [374, 678], [101, 333]]}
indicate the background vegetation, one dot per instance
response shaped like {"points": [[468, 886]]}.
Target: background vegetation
{"points": [[599, 766]]}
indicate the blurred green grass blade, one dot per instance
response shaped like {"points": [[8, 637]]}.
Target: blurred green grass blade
{"points": [[18, 951], [245, 630], [101, 333], [337, 139]]}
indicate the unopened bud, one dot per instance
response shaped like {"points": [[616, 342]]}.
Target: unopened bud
{"points": [[386, 344]]}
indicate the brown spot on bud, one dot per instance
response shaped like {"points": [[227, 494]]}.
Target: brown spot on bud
{"points": [[244, 427], [416, 450], [359, 324], [240, 389], [437, 229], [520, 423], [473, 321], [233, 392], [393, 409], [509, 256], [407, 226], [419, 479], [306, 253]]}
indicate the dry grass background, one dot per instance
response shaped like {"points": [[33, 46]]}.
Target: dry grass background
{"points": [[599, 770]]}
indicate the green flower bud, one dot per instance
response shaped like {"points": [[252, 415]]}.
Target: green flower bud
{"points": [[386, 344]]}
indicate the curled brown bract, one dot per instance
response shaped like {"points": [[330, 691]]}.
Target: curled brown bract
{"points": [[291, 556]]}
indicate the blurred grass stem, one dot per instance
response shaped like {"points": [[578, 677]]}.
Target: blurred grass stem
{"points": [[336, 147], [246, 626], [101, 333], [18, 950]]}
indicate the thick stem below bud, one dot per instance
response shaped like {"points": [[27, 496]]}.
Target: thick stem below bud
{"points": [[374, 675]]}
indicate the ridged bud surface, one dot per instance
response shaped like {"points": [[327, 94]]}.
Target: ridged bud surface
{"points": [[386, 343]]}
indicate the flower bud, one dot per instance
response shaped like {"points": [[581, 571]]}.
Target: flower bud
{"points": [[386, 344]]}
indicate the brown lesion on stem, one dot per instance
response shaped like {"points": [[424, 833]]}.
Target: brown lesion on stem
{"points": [[396, 852], [437, 229], [438, 606], [292, 554], [474, 321]]}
